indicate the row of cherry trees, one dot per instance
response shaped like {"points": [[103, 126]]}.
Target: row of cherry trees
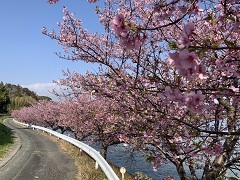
{"points": [[168, 81], [82, 117]]}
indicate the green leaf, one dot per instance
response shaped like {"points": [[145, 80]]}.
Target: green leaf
{"points": [[230, 17], [173, 45], [209, 17], [230, 43], [216, 44]]}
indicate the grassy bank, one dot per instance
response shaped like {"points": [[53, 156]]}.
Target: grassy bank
{"points": [[85, 164], [6, 137]]}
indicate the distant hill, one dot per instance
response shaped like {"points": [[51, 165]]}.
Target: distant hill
{"points": [[18, 91], [20, 96]]}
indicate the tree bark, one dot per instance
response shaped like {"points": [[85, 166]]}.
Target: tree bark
{"points": [[181, 172], [218, 166], [104, 152]]}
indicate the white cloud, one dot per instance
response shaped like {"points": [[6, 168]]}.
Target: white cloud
{"points": [[43, 89]]}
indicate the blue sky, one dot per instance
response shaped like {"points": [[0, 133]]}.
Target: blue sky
{"points": [[27, 56]]}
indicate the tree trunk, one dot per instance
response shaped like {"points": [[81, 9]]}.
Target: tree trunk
{"points": [[219, 162], [181, 172], [228, 147], [193, 173], [104, 152]]}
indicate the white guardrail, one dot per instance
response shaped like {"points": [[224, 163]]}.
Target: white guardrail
{"points": [[106, 168]]}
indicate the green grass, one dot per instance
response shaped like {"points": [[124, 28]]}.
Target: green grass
{"points": [[6, 138]]}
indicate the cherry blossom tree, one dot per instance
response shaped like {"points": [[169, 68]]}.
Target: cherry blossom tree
{"points": [[90, 115], [44, 113], [81, 116], [172, 70]]}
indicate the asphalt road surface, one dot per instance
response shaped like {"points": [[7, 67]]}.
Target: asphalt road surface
{"points": [[37, 157]]}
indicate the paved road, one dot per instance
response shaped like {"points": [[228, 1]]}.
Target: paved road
{"points": [[36, 157]]}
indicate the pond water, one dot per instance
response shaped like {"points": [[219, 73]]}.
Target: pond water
{"points": [[134, 161]]}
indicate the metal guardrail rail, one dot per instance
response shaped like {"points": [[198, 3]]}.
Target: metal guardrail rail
{"points": [[106, 168]]}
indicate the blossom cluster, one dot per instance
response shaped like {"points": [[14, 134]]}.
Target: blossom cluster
{"points": [[194, 101], [187, 64], [53, 1], [184, 40], [126, 33]]}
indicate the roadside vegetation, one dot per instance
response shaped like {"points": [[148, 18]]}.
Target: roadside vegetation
{"points": [[6, 137]]}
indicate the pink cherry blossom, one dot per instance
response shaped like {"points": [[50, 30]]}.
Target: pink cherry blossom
{"points": [[195, 101], [187, 64], [184, 40], [52, 1], [118, 21], [188, 29], [187, 59]]}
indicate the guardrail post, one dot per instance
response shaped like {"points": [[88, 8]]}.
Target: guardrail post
{"points": [[122, 171], [96, 165]]}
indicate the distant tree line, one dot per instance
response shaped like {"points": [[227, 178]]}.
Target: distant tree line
{"points": [[4, 98], [14, 97]]}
